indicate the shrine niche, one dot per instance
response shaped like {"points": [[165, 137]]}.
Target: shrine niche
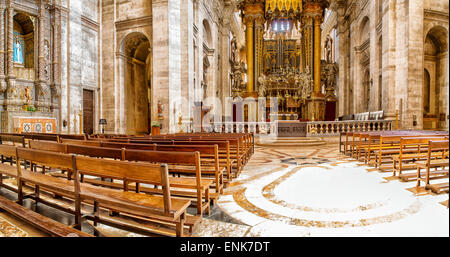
{"points": [[23, 46]]}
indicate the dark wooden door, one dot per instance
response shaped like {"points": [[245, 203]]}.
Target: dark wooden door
{"points": [[88, 111], [330, 112]]}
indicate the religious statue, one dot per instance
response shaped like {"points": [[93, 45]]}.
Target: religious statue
{"points": [[305, 82], [160, 109], [328, 50], [27, 95], [262, 86], [233, 50], [18, 51]]}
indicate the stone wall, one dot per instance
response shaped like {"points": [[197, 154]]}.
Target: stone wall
{"points": [[178, 49], [397, 32]]}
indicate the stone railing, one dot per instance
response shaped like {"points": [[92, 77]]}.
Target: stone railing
{"points": [[334, 128], [318, 128]]}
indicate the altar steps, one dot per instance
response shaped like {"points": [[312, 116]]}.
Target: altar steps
{"points": [[289, 141]]}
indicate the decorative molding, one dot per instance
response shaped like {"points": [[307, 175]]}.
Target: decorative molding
{"points": [[436, 15], [134, 23], [90, 23]]}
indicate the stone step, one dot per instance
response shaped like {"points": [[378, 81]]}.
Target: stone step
{"points": [[289, 142]]}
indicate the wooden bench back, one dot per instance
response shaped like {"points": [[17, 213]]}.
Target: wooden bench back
{"points": [[8, 150], [47, 146], [148, 147], [164, 157], [438, 144], [76, 137], [12, 139], [404, 141], [202, 149], [51, 159], [43, 137], [98, 152], [396, 138], [81, 142], [122, 170]]}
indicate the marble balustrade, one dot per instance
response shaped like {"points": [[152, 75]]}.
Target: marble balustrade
{"points": [[317, 128]]}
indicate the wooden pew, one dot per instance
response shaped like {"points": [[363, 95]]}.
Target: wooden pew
{"points": [[223, 154], [233, 149], [11, 140], [230, 159], [8, 171], [390, 145], [202, 186], [39, 221], [436, 164], [156, 208], [412, 149], [60, 137], [243, 146]]}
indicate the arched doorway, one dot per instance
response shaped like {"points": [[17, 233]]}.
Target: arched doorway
{"points": [[136, 68], [434, 84]]}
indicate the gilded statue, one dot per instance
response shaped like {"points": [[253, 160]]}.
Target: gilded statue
{"points": [[28, 95]]}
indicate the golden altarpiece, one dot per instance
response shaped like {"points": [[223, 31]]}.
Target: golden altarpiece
{"points": [[283, 57]]}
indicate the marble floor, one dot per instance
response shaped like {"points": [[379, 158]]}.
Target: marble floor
{"points": [[316, 191], [310, 191]]}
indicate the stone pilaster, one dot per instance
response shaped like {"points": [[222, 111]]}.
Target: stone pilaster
{"points": [[2, 48], [259, 44], [414, 83], [42, 89], [343, 85], [167, 62], [56, 78], [10, 56]]}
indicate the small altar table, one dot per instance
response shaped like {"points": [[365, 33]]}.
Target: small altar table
{"points": [[291, 129], [34, 125]]}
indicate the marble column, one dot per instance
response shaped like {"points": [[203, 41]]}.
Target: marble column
{"points": [[249, 23]]}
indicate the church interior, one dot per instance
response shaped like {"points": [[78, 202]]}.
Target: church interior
{"points": [[224, 118]]}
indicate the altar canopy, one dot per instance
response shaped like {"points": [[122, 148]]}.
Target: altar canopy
{"points": [[283, 39]]}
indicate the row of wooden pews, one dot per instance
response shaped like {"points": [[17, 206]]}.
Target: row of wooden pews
{"points": [[198, 167], [425, 153]]}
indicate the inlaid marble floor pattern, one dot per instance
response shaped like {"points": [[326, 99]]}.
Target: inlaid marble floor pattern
{"points": [[304, 192], [315, 191]]}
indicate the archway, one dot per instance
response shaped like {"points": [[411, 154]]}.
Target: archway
{"points": [[434, 86], [136, 68]]}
